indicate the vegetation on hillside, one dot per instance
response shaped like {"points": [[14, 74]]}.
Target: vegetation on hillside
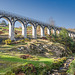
{"points": [[63, 38], [12, 53], [71, 69]]}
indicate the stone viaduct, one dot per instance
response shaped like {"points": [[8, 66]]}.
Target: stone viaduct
{"points": [[12, 18]]}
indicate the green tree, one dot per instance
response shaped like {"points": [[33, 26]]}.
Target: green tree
{"points": [[63, 33]]}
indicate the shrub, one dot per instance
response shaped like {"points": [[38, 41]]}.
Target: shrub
{"points": [[19, 36], [63, 33], [63, 38], [17, 69], [27, 39], [3, 41], [59, 62], [71, 69], [1, 32], [22, 40], [44, 38], [25, 56], [8, 42], [28, 69]]}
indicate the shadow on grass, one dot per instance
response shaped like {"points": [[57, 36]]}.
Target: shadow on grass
{"points": [[19, 60]]}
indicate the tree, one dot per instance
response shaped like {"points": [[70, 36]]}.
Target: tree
{"points": [[52, 22], [63, 33]]}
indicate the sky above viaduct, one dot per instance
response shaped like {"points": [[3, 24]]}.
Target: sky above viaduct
{"points": [[62, 11]]}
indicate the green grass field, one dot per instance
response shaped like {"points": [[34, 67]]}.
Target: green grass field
{"points": [[7, 62]]}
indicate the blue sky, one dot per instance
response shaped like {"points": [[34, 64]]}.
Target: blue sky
{"points": [[62, 11]]}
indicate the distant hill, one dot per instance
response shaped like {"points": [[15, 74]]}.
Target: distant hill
{"points": [[72, 29], [3, 23]]}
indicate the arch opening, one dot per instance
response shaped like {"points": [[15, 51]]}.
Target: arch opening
{"points": [[46, 31], [18, 29], [38, 30], [57, 32], [52, 31], [30, 27], [4, 28]]}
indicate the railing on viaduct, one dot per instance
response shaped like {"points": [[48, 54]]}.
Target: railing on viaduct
{"points": [[12, 18]]}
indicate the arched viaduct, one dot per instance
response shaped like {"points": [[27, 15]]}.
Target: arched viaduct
{"points": [[11, 18]]}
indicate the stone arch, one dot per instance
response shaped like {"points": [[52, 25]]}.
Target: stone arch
{"points": [[5, 17], [52, 30], [19, 21], [10, 26], [39, 25], [46, 30], [21, 30], [42, 29], [31, 23], [38, 30], [30, 29]]}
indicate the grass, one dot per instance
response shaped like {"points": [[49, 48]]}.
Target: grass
{"points": [[12, 61], [71, 69], [12, 58], [9, 59]]}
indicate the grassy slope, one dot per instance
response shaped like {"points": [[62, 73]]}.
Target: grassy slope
{"points": [[12, 61], [9, 60]]}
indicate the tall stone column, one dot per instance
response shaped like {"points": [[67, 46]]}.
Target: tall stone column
{"points": [[73, 35], [42, 32], [69, 34], [58, 31], [11, 31], [24, 31], [34, 35], [54, 31], [48, 31]]}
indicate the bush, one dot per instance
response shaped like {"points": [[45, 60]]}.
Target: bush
{"points": [[19, 36], [63, 33], [22, 40], [63, 38], [1, 32], [17, 69], [25, 56], [59, 62], [44, 38], [49, 37], [71, 69], [27, 69], [8, 42], [3, 41], [27, 39]]}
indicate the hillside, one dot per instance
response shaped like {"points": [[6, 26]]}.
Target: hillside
{"points": [[42, 52], [72, 30], [34, 56]]}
